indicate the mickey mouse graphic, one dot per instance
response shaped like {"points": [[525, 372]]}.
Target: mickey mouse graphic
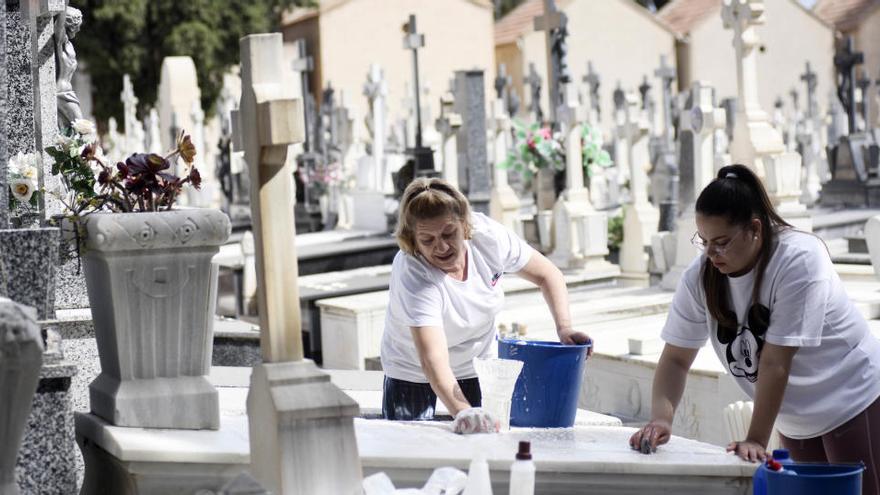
{"points": [[744, 344]]}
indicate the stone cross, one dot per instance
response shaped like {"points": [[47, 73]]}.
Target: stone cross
{"points": [[593, 80], [534, 82], [863, 83], [809, 78], [502, 80], [552, 22], [270, 120], [667, 76], [154, 138], [698, 122], [289, 399], [503, 203], [636, 131], [129, 115], [619, 99], [376, 91], [304, 64], [743, 16], [448, 124], [645, 92], [413, 40], [845, 62]]}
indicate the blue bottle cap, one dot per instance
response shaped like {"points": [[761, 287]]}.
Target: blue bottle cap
{"points": [[781, 454]]}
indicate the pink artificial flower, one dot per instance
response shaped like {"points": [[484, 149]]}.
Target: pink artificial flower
{"points": [[545, 132]]}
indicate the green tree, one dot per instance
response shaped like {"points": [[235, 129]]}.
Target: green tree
{"points": [[134, 36]]}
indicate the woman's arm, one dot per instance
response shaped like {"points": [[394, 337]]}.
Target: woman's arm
{"points": [[774, 365], [541, 272], [669, 381], [434, 355]]}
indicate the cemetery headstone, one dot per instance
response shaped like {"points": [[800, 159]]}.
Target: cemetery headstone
{"points": [[298, 419], [699, 121], [534, 82], [475, 176], [448, 124], [665, 166], [423, 156], [504, 203], [756, 143]]}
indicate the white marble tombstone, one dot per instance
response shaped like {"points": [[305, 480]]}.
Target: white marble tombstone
{"points": [[368, 196], [640, 217], [756, 143], [178, 89], [580, 232], [503, 201], [448, 124], [698, 126]]}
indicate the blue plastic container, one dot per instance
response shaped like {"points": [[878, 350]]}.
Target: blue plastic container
{"points": [[759, 479], [815, 479], [547, 390]]}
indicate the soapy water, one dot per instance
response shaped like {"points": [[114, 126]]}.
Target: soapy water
{"points": [[497, 380]]}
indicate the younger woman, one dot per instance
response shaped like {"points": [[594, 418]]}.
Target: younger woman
{"points": [[768, 298]]}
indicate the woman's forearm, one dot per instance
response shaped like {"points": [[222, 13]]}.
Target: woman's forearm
{"points": [[774, 366], [541, 272], [445, 385], [669, 381]]}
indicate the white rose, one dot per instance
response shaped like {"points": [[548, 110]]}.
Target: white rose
{"points": [[22, 189], [29, 172], [83, 127]]}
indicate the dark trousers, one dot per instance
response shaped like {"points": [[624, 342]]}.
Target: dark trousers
{"points": [[408, 401], [856, 440]]}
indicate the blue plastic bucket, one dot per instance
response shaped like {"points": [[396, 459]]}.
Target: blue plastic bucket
{"points": [[547, 390], [816, 479]]}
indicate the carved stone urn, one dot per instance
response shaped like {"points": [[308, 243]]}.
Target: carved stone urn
{"points": [[152, 290]]}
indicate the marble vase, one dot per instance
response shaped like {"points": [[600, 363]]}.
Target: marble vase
{"points": [[152, 289]]}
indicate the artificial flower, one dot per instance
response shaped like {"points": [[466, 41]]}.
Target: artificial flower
{"points": [[84, 127], [22, 189]]}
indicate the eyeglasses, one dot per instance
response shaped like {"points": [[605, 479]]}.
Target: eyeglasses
{"points": [[716, 247]]}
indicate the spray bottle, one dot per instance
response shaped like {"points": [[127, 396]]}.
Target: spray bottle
{"points": [[522, 471]]}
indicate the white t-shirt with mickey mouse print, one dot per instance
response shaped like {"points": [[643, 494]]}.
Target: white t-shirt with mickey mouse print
{"points": [[422, 295], [834, 375]]}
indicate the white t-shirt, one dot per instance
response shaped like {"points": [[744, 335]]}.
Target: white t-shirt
{"points": [[422, 295], [834, 375]]}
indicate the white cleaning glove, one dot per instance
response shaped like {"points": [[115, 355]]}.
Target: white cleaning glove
{"points": [[475, 420]]}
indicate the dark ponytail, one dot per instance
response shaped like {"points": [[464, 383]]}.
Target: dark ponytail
{"points": [[737, 195]]}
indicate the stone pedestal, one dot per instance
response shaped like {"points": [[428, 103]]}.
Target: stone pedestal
{"points": [[21, 356], [28, 257], [304, 427], [369, 211], [640, 222]]}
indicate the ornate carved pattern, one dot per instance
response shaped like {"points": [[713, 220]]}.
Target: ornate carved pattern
{"points": [[166, 229]]}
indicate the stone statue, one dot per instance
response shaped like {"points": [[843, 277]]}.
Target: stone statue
{"points": [[67, 24]]}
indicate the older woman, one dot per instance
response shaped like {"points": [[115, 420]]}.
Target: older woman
{"points": [[444, 298]]}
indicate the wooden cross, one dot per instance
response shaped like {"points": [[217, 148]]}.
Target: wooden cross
{"points": [[272, 119], [549, 22]]}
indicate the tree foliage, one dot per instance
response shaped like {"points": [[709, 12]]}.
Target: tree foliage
{"points": [[134, 36]]}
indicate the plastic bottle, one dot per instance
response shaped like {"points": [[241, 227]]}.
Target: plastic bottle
{"points": [[478, 482], [782, 456], [777, 462], [522, 471]]}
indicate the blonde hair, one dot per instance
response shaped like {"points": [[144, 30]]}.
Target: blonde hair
{"points": [[425, 199]]}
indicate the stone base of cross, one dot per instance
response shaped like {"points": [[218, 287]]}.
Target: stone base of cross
{"points": [[503, 201], [301, 426]]}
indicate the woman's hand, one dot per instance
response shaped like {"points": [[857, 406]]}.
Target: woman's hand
{"points": [[649, 437], [475, 420], [569, 336], [748, 450]]}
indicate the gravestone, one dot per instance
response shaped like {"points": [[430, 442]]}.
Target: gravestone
{"points": [[504, 203], [640, 217], [854, 158], [298, 419], [448, 124], [593, 81], [756, 144], [134, 131], [553, 23], [422, 155], [21, 357], [809, 142], [665, 166], [698, 123], [368, 197], [580, 232], [475, 175], [534, 82], [178, 89]]}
